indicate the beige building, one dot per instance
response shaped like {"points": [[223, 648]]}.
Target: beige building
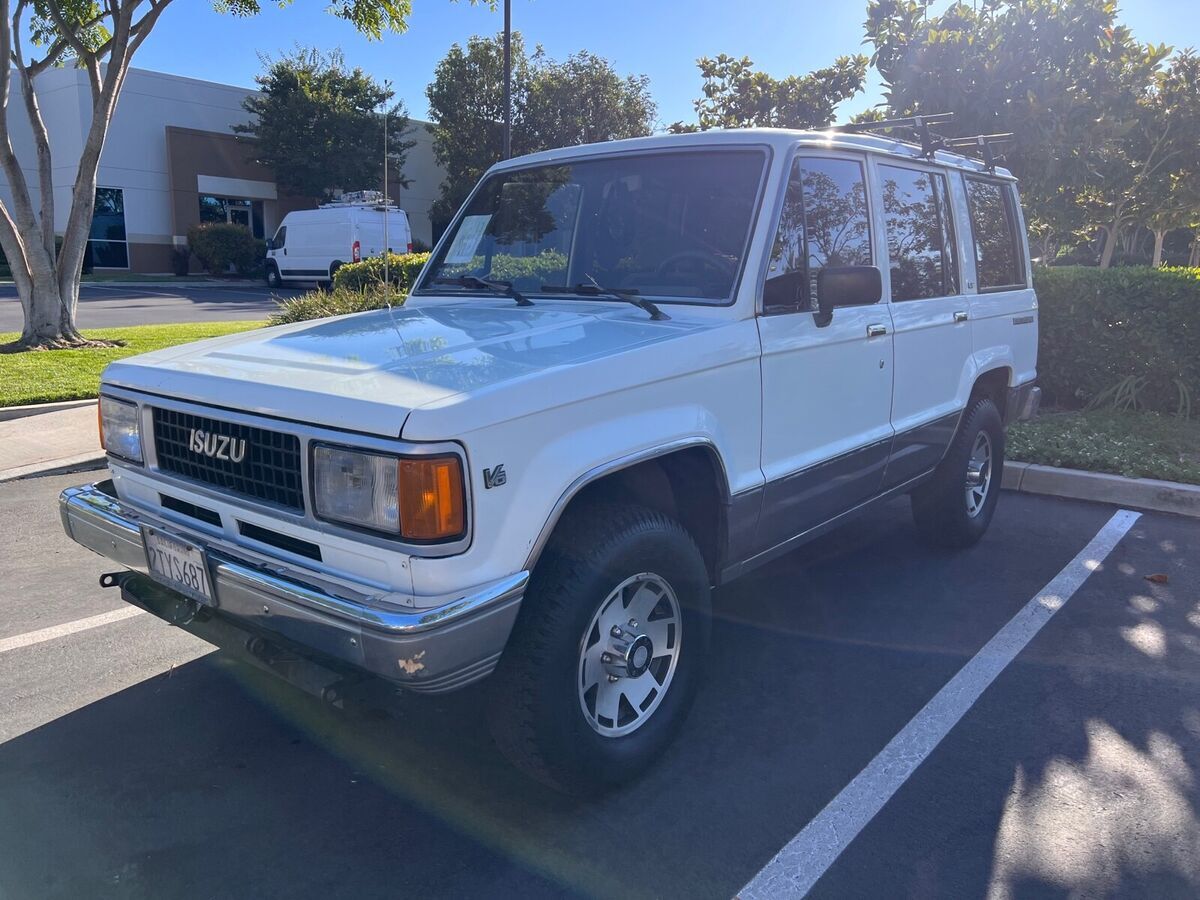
{"points": [[171, 161]]}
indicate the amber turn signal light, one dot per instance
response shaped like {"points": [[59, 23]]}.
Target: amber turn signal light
{"points": [[432, 499]]}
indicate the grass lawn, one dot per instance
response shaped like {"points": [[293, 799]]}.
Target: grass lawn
{"points": [[47, 375], [1139, 444]]}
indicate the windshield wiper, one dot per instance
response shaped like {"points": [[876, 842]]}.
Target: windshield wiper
{"points": [[496, 287], [604, 293]]}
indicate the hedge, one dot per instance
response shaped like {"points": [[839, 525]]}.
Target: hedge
{"points": [[1126, 337], [219, 245], [526, 272], [340, 301], [359, 276]]}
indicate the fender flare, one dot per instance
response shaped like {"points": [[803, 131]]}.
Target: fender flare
{"points": [[602, 470]]}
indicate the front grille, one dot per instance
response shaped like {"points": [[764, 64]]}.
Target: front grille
{"points": [[269, 468]]}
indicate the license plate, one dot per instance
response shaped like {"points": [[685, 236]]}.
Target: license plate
{"points": [[178, 564]]}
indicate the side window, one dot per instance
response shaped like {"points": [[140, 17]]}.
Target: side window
{"points": [[993, 223], [280, 237], [920, 240], [824, 222]]}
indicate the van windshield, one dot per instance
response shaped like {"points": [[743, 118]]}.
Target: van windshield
{"points": [[663, 225]]}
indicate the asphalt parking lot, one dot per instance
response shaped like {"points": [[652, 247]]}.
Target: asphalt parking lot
{"points": [[114, 306], [136, 763]]}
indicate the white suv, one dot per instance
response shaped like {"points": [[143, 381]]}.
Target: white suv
{"points": [[630, 373]]}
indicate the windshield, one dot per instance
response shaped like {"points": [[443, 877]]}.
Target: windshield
{"points": [[662, 225]]}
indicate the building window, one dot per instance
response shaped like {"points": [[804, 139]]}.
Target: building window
{"points": [[107, 243], [247, 213]]}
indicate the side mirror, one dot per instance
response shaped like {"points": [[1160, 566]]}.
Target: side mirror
{"points": [[846, 286], [270, 243]]}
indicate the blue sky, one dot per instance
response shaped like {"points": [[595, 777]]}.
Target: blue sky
{"points": [[651, 37]]}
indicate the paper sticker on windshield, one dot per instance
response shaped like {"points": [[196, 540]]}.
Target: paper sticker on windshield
{"points": [[466, 241]]}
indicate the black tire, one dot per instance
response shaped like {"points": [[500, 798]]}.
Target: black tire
{"points": [[536, 711], [941, 507], [274, 280]]}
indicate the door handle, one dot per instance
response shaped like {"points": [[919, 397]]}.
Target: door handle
{"points": [[960, 315], [876, 330]]}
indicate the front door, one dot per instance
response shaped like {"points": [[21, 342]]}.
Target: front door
{"points": [[240, 215], [827, 389], [930, 314]]}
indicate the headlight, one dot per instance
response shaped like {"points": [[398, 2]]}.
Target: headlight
{"points": [[420, 498], [120, 428]]}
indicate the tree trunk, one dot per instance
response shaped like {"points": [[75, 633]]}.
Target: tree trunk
{"points": [[1159, 235], [1194, 256], [1111, 233]]}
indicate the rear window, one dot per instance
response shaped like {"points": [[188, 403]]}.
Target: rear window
{"points": [[998, 263]]}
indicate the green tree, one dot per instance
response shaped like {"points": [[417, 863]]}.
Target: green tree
{"points": [[579, 101], [1061, 75], [466, 105], [317, 124], [1162, 181], [101, 38], [737, 96], [583, 100]]}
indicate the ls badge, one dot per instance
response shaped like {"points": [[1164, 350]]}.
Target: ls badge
{"points": [[494, 477]]}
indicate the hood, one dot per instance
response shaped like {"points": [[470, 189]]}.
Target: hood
{"points": [[366, 372]]}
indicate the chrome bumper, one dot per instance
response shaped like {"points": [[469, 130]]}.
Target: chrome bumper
{"points": [[435, 649]]}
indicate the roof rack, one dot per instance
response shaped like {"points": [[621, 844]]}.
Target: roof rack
{"points": [[930, 142], [985, 144]]}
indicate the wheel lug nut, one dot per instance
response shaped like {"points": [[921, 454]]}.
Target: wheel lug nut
{"points": [[606, 657], [633, 623], [616, 631], [612, 679]]}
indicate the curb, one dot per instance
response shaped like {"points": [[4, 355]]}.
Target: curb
{"points": [[83, 462], [1075, 484], [8, 413]]}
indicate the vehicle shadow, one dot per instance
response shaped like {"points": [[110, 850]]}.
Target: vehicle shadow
{"points": [[215, 780]]}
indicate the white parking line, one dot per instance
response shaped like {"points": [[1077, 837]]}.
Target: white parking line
{"points": [[56, 631], [796, 868]]}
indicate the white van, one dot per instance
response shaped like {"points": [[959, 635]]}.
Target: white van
{"points": [[311, 244]]}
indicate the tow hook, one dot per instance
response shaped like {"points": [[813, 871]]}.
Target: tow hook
{"points": [[113, 579]]}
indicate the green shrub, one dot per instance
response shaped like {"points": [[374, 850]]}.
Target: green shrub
{"points": [[1126, 337], [525, 272], [219, 245], [359, 276], [337, 302]]}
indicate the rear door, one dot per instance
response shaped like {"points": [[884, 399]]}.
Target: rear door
{"points": [[930, 313], [827, 389]]}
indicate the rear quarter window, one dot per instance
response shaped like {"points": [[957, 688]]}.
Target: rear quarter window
{"points": [[998, 261]]}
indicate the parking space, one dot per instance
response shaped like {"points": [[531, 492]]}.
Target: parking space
{"points": [[136, 763], [120, 305]]}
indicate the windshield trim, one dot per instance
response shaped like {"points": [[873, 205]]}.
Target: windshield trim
{"points": [[425, 287]]}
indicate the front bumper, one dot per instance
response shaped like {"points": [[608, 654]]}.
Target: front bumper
{"points": [[434, 649]]}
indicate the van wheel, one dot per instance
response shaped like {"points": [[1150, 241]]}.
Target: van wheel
{"points": [[273, 278], [954, 509], [607, 651]]}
